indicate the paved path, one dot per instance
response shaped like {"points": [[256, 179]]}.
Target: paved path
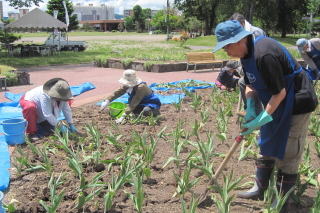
{"points": [[105, 79]]}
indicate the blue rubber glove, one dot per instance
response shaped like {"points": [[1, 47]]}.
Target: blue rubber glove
{"points": [[250, 111], [64, 129], [73, 128], [261, 120]]}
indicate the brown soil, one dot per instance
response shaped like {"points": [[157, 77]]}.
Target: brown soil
{"points": [[159, 188]]}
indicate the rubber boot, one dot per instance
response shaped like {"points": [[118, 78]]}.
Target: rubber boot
{"points": [[284, 183], [264, 170]]}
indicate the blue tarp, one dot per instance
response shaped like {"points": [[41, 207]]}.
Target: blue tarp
{"points": [[168, 99], [9, 110]]}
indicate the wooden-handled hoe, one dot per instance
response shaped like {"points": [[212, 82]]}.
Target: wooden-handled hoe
{"points": [[202, 194]]}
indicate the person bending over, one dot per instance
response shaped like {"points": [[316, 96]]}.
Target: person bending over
{"points": [[41, 107], [141, 97]]}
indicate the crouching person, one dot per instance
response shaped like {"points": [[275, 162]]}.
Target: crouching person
{"points": [[225, 79], [141, 97], [41, 107]]}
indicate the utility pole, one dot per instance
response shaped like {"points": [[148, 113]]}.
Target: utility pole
{"points": [[168, 11]]}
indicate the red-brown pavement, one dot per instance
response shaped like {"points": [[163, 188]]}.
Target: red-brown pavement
{"points": [[104, 79]]}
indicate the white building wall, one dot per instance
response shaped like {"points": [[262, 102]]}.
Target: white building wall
{"points": [[93, 12]]}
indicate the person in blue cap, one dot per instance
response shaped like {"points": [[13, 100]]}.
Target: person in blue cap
{"points": [[279, 81], [310, 52]]}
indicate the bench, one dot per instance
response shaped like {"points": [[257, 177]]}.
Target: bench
{"points": [[28, 41], [195, 58]]}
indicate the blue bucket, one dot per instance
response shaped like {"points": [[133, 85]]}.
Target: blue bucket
{"points": [[14, 130]]}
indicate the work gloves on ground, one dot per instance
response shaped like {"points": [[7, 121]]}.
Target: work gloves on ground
{"points": [[73, 128], [250, 111], [260, 120], [104, 104]]}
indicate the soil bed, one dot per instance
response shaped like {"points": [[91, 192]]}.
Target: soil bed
{"points": [[160, 187]]}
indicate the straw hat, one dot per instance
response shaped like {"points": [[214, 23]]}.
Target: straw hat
{"points": [[129, 78], [58, 88]]}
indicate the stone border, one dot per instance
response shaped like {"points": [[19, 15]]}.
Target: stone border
{"points": [[158, 68]]}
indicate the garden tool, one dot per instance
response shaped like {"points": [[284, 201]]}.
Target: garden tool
{"points": [[236, 130], [203, 192]]}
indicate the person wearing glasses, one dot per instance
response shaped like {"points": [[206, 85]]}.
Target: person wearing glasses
{"points": [[277, 78], [256, 31]]}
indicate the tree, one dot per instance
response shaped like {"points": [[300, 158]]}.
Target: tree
{"points": [[138, 17], [128, 23], [203, 10], [86, 26], [6, 37], [23, 3], [57, 5]]}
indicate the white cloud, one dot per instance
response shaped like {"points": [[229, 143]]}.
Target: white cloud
{"points": [[119, 5]]}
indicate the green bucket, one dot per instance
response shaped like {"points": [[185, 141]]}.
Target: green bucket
{"points": [[116, 109]]}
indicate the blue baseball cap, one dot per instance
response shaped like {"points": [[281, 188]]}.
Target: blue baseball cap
{"points": [[300, 43], [229, 32]]}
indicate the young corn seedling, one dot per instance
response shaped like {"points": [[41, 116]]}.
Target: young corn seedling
{"points": [[192, 206], [184, 183], [47, 166], [274, 200], [95, 134], [314, 126], [306, 160], [224, 205], [75, 164], [203, 162], [252, 148], [93, 184], [195, 129], [205, 115], [222, 122], [178, 105], [301, 188], [317, 147], [113, 140], [141, 148], [55, 199], [138, 196], [114, 186], [187, 92], [163, 135], [196, 102], [316, 205], [21, 161]]}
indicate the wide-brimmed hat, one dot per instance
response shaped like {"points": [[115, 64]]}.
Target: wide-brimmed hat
{"points": [[231, 65], [301, 43], [229, 32], [129, 78], [58, 88]]}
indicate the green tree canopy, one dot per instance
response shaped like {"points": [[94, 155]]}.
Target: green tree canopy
{"points": [[57, 5], [23, 3]]}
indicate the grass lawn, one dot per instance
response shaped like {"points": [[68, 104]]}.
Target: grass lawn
{"points": [[153, 52]]}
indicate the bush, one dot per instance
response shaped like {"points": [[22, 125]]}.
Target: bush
{"points": [[12, 78], [113, 31], [157, 32]]}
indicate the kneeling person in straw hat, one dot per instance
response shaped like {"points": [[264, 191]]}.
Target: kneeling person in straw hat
{"points": [[41, 107], [141, 97]]}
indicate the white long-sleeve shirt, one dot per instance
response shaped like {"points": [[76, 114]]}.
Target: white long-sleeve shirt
{"points": [[47, 107]]}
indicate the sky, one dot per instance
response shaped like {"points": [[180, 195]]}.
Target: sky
{"points": [[119, 5]]}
